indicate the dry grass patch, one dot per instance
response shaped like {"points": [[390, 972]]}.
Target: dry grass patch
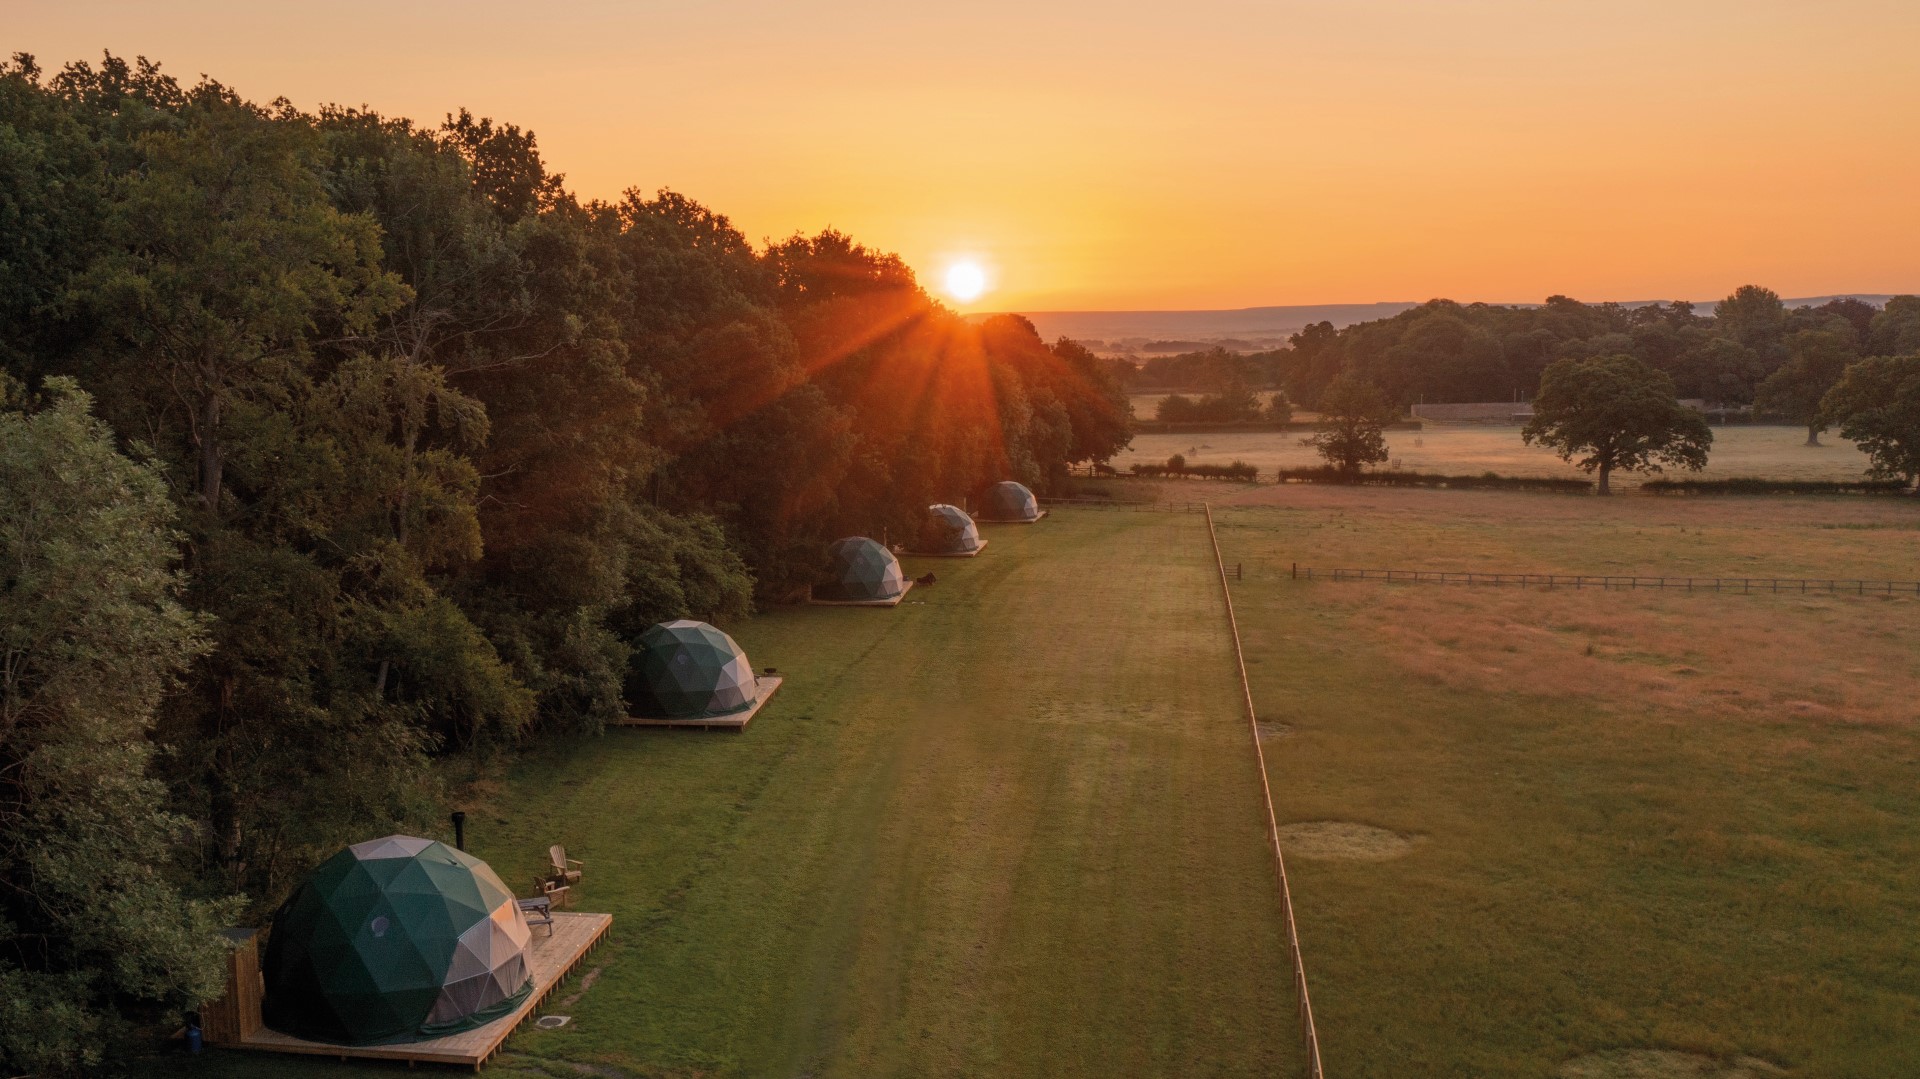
{"points": [[1664, 1064], [1342, 840], [1833, 660]]}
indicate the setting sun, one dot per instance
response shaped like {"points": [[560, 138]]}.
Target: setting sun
{"points": [[966, 281]]}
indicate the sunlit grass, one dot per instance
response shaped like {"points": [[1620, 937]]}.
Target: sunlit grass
{"points": [[1008, 828], [1643, 820]]}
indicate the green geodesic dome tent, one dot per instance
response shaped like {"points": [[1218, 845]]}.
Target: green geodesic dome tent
{"points": [[1009, 501], [860, 570], [395, 940], [686, 669], [948, 530]]}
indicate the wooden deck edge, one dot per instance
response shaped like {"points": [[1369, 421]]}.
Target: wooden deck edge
{"points": [[893, 602], [423, 1052], [540, 996], [975, 553], [765, 687]]}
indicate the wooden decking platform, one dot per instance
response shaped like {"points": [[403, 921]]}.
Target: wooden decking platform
{"points": [[1009, 520], [949, 554], [893, 602], [553, 958], [764, 687]]}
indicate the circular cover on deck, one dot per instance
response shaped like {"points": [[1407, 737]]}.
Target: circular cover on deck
{"points": [[685, 670], [395, 940], [860, 570], [1009, 501], [948, 530]]}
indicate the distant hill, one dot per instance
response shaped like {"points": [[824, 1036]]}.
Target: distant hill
{"points": [[1259, 327]]}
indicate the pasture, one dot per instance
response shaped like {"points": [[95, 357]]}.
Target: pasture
{"points": [[1010, 827], [1764, 452], [1593, 834]]}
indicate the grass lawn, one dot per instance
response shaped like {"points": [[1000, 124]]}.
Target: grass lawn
{"points": [[1010, 827], [1632, 821]]}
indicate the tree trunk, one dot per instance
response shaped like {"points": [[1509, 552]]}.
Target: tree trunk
{"points": [[1813, 435], [211, 459], [1605, 471]]}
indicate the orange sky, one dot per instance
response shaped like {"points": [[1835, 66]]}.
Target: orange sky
{"points": [[1209, 153]]}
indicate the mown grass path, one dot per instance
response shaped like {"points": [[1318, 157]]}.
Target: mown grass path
{"points": [[1009, 828]]}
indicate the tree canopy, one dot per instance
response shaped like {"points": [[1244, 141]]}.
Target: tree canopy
{"points": [[1876, 403], [435, 440], [1354, 414], [1616, 413]]}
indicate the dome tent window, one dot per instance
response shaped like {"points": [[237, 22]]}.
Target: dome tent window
{"points": [[948, 532], [1008, 502], [861, 572]]}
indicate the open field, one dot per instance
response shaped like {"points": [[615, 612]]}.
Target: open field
{"points": [[1527, 828], [1764, 452], [1010, 827]]}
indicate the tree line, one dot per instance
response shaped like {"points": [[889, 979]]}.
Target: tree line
{"points": [[1603, 378], [332, 443], [1750, 349]]}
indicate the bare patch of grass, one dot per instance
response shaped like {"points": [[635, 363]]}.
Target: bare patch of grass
{"points": [[1342, 840]]}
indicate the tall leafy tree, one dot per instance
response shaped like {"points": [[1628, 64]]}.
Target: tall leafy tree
{"points": [[95, 928], [1895, 331], [1815, 361], [1876, 403], [1616, 413], [1354, 414]]}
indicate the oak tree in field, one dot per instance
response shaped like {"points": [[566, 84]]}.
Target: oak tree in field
{"points": [[1354, 413], [1876, 403], [1616, 413], [1815, 360]]}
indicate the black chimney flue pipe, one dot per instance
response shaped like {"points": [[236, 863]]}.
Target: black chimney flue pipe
{"points": [[459, 830]]}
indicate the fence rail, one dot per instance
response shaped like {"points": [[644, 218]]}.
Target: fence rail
{"points": [[1309, 1033], [1741, 585]]}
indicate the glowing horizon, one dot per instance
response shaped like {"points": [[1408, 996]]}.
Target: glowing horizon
{"points": [[1224, 155]]}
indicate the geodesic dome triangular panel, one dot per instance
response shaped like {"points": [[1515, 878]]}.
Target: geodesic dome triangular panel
{"points": [[686, 669], [860, 569], [1009, 501], [395, 940], [948, 530]]}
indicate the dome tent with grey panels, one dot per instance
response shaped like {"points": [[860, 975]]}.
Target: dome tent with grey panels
{"points": [[1008, 502], [861, 573], [394, 940], [688, 673], [947, 532]]}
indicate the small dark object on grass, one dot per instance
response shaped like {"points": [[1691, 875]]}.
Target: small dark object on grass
{"points": [[926, 581], [769, 670]]}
